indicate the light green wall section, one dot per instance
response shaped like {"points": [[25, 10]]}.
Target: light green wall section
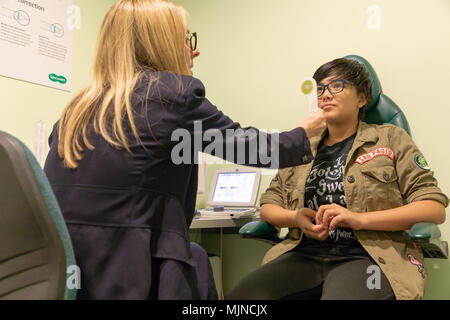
{"points": [[23, 104], [254, 54]]}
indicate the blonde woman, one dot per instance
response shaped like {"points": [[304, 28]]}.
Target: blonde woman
{"points": [[126, 188]]}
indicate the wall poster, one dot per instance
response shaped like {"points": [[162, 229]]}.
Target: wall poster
{"points": [[35, 42]]}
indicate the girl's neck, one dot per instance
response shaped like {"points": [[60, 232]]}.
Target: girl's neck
{"points": [[340, 132]]}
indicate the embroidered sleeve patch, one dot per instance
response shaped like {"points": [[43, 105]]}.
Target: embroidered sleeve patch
{"points": [[421, 162], [375, 153], [418, 264]]}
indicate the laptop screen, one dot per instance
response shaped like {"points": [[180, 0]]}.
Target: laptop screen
{"points": [[234, 187]]}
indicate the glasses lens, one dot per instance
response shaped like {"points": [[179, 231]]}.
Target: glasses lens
{"points": [[336, 86], [320, 90], [190, 39], [194, 41]]}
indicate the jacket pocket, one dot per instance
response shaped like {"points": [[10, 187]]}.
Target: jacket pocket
{"points": [[381, 188]]}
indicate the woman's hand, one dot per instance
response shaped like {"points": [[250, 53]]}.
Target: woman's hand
{"points": [[314, 124], [334, 215], [314, 231]]}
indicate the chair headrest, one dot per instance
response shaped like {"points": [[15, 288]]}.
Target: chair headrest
{"points": [[376, 85]]}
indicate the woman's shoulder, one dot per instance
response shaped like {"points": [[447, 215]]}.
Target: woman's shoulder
{"points": [[165, 84]]}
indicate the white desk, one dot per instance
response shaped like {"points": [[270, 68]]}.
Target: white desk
{"points": [[221, 222]]}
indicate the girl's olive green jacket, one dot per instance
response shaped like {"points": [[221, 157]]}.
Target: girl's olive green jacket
{"points": [[384, 170]]}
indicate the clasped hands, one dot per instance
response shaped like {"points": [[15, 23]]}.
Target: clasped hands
{"points": [[327, 218]]}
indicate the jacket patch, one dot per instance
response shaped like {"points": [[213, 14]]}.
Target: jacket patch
{"points": [[375, 153], [421, 162], [418, 264]]}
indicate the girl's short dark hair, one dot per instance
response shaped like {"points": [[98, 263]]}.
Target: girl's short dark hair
{"points": [[350, 70]]}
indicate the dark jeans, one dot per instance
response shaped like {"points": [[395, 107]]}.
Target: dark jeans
{"points": [[304, 276]]}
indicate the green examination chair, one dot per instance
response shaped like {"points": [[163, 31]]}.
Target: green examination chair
{"points": [[381, 110], [35, 248]]}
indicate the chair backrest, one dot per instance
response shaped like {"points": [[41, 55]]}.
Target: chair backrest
{"points": [[382, 109], [35, 247]]}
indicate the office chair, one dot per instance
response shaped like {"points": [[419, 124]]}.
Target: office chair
{"points": [[380, 111], [35, 247]]}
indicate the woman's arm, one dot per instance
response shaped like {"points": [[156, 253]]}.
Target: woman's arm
{"points": [[397, 219], [216, 134]]}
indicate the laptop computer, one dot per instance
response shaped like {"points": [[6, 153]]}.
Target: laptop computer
{"points": [[233, 193]]}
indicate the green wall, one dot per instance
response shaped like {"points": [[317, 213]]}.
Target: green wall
{"points": [[254, 53]]}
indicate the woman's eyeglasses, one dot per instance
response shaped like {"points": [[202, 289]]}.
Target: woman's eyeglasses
{"points": [[334, 87], [192, 38]]}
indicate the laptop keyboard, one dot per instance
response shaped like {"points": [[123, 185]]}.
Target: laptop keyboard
{"points": [[226, 210]]}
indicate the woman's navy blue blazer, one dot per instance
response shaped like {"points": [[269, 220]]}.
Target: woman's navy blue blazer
{"points": [[123, 209]]}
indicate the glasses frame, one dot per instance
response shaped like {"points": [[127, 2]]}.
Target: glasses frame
{"points": [[192, 36], [327, 86]]}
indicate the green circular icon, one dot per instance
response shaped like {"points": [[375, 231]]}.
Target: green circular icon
{"points": [[307, 87], [421, 162]]}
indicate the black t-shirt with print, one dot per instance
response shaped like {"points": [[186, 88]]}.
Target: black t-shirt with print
{"points": [[325, 186]]}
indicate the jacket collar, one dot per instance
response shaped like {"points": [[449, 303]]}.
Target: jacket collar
{"points": [[365, 133]]}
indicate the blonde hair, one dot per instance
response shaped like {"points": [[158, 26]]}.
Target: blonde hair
{"points": [[136, 36]]}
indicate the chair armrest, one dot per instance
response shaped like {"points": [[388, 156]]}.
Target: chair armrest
{"points": [[424, 231], [426, 236], [260, 230]]}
